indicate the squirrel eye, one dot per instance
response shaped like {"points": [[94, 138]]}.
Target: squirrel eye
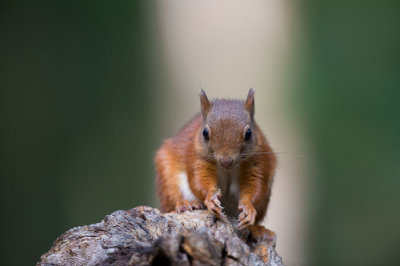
{"points": [[247, 135], [205, 134]]}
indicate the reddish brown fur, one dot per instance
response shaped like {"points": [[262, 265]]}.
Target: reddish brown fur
{"points": [[188, 152]]}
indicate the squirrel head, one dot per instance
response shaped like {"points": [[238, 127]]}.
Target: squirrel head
{"points": [[228, 131]]}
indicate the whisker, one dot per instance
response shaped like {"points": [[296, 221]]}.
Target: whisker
{"points": [[244, 155], [254, 153]]}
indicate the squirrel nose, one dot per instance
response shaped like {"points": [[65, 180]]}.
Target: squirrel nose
{"points": [[226, 161]]}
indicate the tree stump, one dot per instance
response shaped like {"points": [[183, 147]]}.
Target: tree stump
{"points": [[144, 236]]}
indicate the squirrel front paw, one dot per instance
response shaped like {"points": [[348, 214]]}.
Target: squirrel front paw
{"points": [[247, 215], [185, 205], [213, 204]]}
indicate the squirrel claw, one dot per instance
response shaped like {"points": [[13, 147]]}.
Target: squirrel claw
{"points": [[213, 204], [247, 216], [188, 206]]}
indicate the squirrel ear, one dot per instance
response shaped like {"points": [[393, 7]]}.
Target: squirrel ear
{"points": [[249, 104], [205, 103]]}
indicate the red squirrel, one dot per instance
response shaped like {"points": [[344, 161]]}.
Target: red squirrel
{"points": [[219, 160]]}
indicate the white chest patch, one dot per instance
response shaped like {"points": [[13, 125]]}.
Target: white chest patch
{"points": [[184, 187]]}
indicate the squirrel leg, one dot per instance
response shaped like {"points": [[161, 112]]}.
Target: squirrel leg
{"points": [[203, 183], [260, 233]]}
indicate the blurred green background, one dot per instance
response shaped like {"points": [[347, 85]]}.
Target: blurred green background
{"points": [[74, 107], [78, 131], [350, 96]]}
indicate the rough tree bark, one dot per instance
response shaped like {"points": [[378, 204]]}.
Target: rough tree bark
{"points": [[144, 236]]}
